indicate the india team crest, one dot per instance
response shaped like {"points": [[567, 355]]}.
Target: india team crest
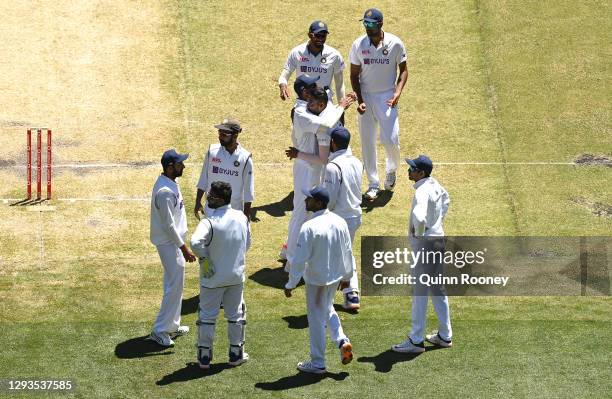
{"points": [[323, 60], [236, 163], [385, 52]]}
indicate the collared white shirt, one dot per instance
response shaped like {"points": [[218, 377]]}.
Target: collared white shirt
{"points": [[223, 238], [236, 169], [324, 252], [378, 64], [325, 64], [429, 206], [342, 180], [168, 218]]}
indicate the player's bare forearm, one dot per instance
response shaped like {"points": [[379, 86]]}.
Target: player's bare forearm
{"points": [[402, 78], [198, 203], [247, 210]]}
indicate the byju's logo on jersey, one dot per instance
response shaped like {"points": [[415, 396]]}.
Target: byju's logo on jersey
{"points": [[308, 69], [223, 171], [370, 61]]}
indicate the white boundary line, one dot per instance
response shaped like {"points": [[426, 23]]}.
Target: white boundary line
{"points": [[289, 163]]}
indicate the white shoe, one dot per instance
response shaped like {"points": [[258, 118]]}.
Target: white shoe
{"points": [[408, 347], [371, 194], [307, 367], [162, 338], [437, 340], [182, 330], [390, 181], [351, 301]]}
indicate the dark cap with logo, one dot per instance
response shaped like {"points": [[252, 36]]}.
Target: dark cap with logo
{"points": [[172, 157], [229, 125], [303, 82], [318, 27], [422, 162], [372, 15], [340, 135], [318, 193]]}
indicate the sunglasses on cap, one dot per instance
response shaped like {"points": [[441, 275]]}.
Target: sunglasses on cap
{"points": [[370, 25]]}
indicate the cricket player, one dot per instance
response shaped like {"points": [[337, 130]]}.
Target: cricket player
{"points": [[342, 180], [375, 59], [323, 259], [426, 233], [221, 241], [315, 59], [228, 161], [310, 138], [168, 231]]}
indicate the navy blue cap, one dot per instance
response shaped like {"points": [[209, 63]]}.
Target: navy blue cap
{"points": [[304, 81], [340, 135], [372, 15], [171, 157], [317, 192], [317, 27], [422, 162]]}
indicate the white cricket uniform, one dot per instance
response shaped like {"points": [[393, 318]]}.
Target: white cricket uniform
{"points": [[323, 259], [342, 180], [429, 207], [378, 76], [309, 132], [168, 231], [221, 241], [327, 64], [236, 169]]}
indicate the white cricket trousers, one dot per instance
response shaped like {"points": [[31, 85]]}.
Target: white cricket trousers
{"points": [[305, 177], [381, 118], [169, 317], [353, 224], [233, 308], [321, 314], [421, 293]]}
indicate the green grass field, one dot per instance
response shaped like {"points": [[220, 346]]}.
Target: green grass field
{"points": [[494, 82]]}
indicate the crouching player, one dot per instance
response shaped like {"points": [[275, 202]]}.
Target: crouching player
{"points": [[220, 242]]}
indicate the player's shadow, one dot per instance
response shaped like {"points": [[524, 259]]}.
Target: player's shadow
{"points": [[191, 371], [296, 322], [190, 305], [383, 199], [299, 380], [139, 347], [384, 362], [275, 209], [339, 308], [275, 278]]}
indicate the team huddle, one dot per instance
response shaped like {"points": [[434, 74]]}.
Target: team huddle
{"points": [[327, 202]]}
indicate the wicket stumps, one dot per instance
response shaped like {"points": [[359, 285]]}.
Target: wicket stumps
{"points": [[39, 134]]}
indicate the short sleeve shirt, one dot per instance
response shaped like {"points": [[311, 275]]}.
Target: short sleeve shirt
{"points": [[325, 64], [378, 64]]}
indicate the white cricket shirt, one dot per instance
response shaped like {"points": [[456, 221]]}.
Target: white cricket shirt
{"points": [[223, 238], [168, 218], [324, 254], [343, 182], [378, 64], [236, 169], [429, 206], [310, 130], [325, 64]]}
